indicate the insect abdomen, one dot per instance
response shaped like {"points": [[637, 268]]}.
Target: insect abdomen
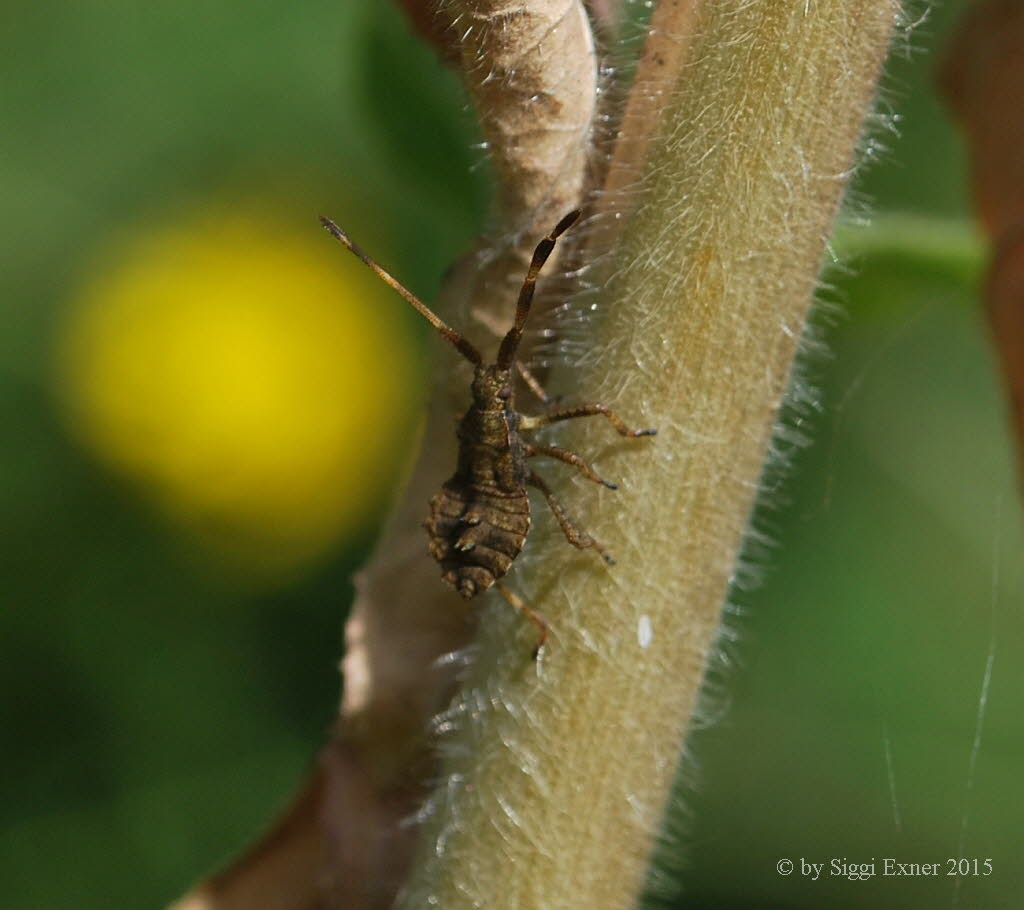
{"points": [[476, 536]]}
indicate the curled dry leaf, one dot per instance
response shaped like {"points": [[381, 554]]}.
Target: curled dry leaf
{"points": [[281, 871], [982, 79], [432, 24], [531, 72]]}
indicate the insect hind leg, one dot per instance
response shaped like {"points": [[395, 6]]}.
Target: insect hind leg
{"points": [[520, 605], [579, 539]]}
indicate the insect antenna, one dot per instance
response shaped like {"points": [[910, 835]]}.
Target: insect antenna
{"points": [[510, 343], [457, 340]]}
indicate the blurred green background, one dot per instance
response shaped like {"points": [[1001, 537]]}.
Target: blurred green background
{"points": [[170, 640]]}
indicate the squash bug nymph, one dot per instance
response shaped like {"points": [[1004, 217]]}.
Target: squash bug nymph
{"points": [[479, 521]]}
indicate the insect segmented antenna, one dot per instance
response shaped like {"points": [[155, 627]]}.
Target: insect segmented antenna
{"points": [[510, 343], [456, 339]]}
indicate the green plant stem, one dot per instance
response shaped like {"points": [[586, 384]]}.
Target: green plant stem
{"points": [[559, 770]]}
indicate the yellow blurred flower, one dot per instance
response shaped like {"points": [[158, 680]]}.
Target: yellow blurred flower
{"points": [[254, 378]]}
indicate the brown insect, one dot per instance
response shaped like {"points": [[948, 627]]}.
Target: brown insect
{"points": [[479, 521]]}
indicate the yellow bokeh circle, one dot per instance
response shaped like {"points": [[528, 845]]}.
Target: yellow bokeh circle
{"points": [[255, 379]]}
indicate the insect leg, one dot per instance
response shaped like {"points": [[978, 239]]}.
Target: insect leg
{"points": [[583, 410], [569, 458], [509, 344], [579, 539], [532, 384], [519, 604]]}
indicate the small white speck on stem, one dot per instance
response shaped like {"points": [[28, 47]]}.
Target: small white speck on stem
{"points": [[644, 631]]}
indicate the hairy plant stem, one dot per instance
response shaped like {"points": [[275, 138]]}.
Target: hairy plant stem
{"points": [[558, 771]]}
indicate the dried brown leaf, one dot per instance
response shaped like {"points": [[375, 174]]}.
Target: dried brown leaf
{"points": [[531, 71]]}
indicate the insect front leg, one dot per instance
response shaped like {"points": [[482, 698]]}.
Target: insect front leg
{"points": [[533, 384], [569, 458], [583, 410], [579, 539]]}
